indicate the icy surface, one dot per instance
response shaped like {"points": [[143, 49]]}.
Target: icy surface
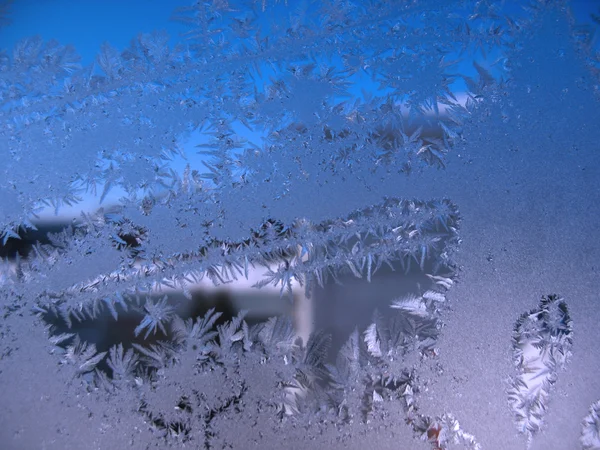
{"points": [[445, 201]]}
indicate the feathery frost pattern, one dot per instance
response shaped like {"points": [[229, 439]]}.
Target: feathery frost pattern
{"points": [[359, 244], [590, 428], [542, 342], [303, 109]]}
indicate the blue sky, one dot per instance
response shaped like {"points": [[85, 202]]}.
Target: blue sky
{"points": [[86, 24]]}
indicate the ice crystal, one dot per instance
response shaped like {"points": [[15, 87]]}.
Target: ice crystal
{"points": [[590, 429], [542, 342]]}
